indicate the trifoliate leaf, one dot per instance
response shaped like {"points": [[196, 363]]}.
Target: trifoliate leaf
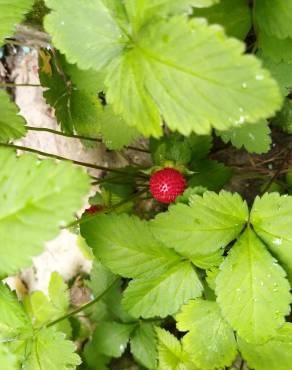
{"points": [[114, 130], [275, 354], [8, 360], [170, 353], [12, 126], [271, 217], [50, 350], [11, 13], [252, 291], [233, 15], [211, 174], [111, 338], [143, 345], [209, 223], [13, 319], [36, 199], [282, 73], [76, 106], [140, 77], [59, 294], [126, 245], [274, 17], [284, 118], [210, 341], [278, 50], [153, 296], [254, 137]]}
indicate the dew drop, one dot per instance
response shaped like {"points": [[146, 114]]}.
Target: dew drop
{"points": [[62, 23], [238, 289], [251, 136], [277, 241], [244, 85], [259, 77], [262, 283]]}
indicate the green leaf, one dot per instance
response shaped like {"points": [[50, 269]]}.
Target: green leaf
{"points": [[143, 345], [41, 309], [233, 15], [126, 245], [11, 13], [252, 291], [153, 295], [278, 50], [200, 145], [209, 223], [206, 261], [189, 192], [13, 319], [210, 341], [93, 359], [284, 118], [275, 354], [282, 73], [203, 168], [212, 276], [114, 130], [59, 294], [140, 76], [111, 338], [12, 126], [8, 360], [254, 137], [271, 217], [77, 106], [50, 350], [170, 352], [36, 199], [274, 17]]}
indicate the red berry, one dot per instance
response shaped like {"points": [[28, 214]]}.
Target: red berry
{"points": [[94, 209], [167, 184]]}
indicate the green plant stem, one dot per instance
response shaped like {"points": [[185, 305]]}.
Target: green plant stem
{"points": [[18, 85], [83, 307], [55, 156], [55, 132]]}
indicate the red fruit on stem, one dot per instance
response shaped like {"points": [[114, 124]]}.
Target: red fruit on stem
{"points": [[94, 209], [167, 184]]}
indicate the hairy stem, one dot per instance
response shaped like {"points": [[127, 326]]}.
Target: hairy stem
{"points": [[55, 156], [18, 85], [55, 132]]}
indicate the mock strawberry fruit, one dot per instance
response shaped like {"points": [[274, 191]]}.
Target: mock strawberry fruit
{"points": [[167, 184], [94, 209]]}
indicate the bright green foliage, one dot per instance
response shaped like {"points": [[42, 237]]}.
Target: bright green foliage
{"points": [[255, 137], [234, 15], [13, 318], [153, 295], [170, 352], [140, 76], [12, 126], [274, 17], [143, 345], [36, 199], [252, 291], [210, 341], [211, 277], [11, 13], [206, 261], [50, 350], [7, 359], [114, 130], [111, 338], [202, 168], [279, 50], [44, 309], [126, 245], [272, 221], [209, 223], [275, 354]]}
